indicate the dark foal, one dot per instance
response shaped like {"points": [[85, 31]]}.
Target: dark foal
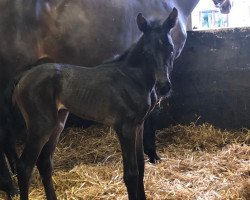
{"points": [[119, 93]]}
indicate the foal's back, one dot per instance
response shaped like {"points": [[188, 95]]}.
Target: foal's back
{"points": [[98, 93]]}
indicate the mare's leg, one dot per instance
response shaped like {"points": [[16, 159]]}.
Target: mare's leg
{"points": [[6, 183], [45, 159], [140, 162], [127, 137], [39, 129]]}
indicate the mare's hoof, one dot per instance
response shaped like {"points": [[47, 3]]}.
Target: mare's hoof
{"points": [[154, 159], [152, 155]]}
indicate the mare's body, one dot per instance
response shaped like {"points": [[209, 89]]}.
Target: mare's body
{"points": [[81, 32]]}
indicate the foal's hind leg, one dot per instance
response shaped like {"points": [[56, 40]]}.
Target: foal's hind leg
{"points": [[45, 159], [40, 129], [6, 183], [140, 162], [10, 150]]}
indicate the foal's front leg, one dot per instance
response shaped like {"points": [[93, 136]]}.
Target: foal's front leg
{"points": [[127, 137]]}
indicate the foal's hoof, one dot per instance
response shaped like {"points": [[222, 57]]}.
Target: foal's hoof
{"points": [[9, 197], [12, 193], [9, 188]]}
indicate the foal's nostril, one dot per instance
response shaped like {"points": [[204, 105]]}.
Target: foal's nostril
{"points": [[163, 88]]}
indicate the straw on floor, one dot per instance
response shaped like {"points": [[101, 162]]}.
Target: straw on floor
{"points": [[198, 163]]}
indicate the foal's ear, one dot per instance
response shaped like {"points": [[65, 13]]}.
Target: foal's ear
{"points": [[142, 23], [170, 22]]}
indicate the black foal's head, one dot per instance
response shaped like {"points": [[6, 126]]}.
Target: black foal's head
{"points": [[159, 48]]}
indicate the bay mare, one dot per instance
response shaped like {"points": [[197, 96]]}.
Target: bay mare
{"points": [[119, 93], [77, 32], [80, 32]]}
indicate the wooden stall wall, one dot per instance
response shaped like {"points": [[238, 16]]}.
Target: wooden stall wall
{"points": [[211, 79]]}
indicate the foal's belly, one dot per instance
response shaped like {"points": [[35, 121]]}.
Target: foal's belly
{"points": [[89, 104], [105, 97]]}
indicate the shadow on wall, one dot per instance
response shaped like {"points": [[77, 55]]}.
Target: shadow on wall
{"points": [[211, 79]]}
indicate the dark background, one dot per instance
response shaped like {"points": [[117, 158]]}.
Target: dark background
{"points": [[211, 79]]}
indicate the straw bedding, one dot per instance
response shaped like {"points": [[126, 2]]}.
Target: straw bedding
{"points": [[198, 162]]}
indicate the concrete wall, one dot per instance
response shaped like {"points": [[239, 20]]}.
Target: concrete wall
{"points": [[211, 79]]}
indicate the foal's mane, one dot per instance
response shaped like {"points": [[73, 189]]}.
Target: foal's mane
{"points": [[119, 58], [154, 24]]}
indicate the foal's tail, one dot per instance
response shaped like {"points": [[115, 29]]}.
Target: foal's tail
{"points": [[11, 113], [8, 100], [10, 90], [13, 122]]}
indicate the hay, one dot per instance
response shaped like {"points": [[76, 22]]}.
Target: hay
{"points": [[199, 162]]}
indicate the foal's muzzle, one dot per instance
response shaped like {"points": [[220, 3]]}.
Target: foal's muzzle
{"points": [[162, 89]]}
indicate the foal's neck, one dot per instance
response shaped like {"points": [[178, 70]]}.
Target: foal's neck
{"points": [[137, 60], [136, 57]]}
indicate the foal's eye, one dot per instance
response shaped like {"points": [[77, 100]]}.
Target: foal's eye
{"points": [[160, 42]]}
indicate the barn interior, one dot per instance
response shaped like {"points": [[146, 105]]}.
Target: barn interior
{"points": [[211, 79], [203, 140], [204, 145]]}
